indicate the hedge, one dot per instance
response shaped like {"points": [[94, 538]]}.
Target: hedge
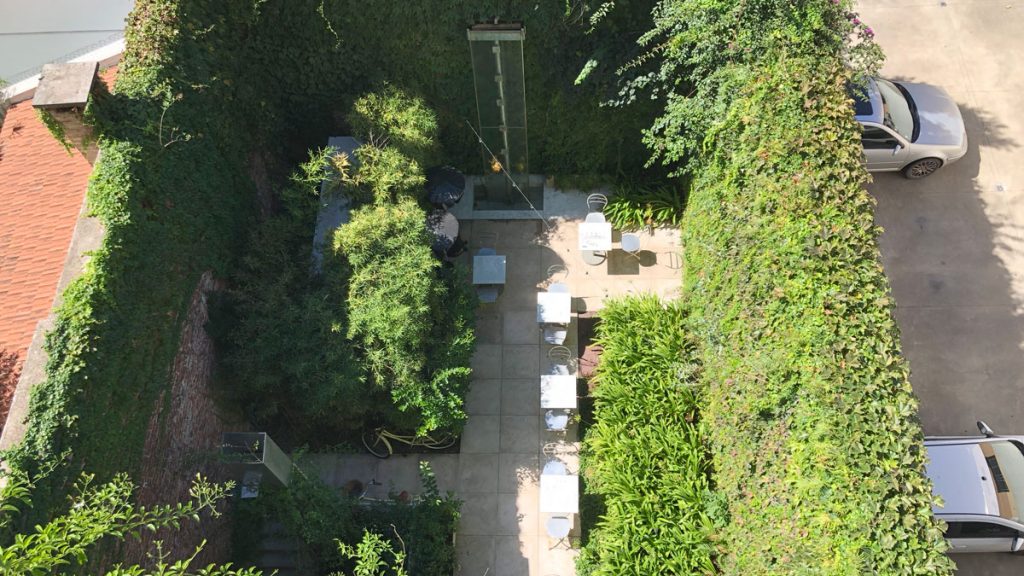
{"points": [[645, 453], [171, 190], [810, 416]]}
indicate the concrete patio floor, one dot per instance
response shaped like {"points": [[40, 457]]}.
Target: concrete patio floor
{"points": [[502, 532], [496, 475]]}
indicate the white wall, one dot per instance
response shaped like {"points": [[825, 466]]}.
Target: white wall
{"points": [[34, 32]]}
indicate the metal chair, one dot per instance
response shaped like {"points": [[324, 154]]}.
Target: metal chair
{"points": [[556, 269], [558, 527], [486, 240], [486, 252], [595, 217], [563, 361], [596, 203], [553, 449], [487, 293]]}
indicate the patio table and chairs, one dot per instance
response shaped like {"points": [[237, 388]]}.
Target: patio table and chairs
{"points": [[559, 497], [488, 274], [488, 271]]}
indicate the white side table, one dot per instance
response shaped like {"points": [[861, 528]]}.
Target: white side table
{"points": [[558, 391]]}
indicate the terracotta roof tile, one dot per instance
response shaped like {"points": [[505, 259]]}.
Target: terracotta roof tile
{"points": [[41, 193]]}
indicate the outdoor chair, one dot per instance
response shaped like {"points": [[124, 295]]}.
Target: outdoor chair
{"points": [[556, 420], [595, 217], [486, 240], [630, 244], [557, 270], [558, 287], [555, 334], [487, 293], [596, 203], [562, 360], [554, 468], [486, 252], [553, 449], [558, 527]]}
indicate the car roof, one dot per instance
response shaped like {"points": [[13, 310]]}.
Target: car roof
{"points": [[961, 477], [867, 101]]}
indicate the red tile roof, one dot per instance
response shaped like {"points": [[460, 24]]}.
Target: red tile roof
{"points": [[41, 193]]}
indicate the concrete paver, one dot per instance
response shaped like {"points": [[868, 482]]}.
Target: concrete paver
{"points": [[953, 246], [505, 394]]}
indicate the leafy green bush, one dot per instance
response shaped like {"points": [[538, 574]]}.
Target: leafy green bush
{"points": [[645, 452], [319, 516], [812, 422], [384, 332], [384, 175], [390, 117], [410, 317], [633, 206]]}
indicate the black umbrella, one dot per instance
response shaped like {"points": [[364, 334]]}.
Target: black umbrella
{"points": [[444, 185]]}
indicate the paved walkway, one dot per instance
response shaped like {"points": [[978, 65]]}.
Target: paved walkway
{"points": [[496, 475], [502, 532]]}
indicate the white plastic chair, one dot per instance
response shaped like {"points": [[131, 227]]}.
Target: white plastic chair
{"points": [[558, 287], [595, 217], [555, 334], [630, 244], [556, 421], [554, 468]]}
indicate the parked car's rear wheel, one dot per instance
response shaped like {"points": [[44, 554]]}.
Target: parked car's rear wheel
{"points": [[920, 168]]}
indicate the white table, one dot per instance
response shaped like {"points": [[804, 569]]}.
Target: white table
{"points": [[560, 493], [558, 391], [488, 269], [554, 307], [595, 236]]}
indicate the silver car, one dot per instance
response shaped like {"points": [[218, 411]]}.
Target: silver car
{"points": [[980, 480], [913, 128]]}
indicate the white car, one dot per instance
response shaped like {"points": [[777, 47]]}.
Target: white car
{"points": [[913, 128], [981, 482]]}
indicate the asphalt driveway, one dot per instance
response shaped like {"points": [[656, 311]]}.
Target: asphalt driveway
{"points": [[953, 245]]}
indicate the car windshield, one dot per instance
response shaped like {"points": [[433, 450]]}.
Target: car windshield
{"points": [[896, 112], [1005, 461]]}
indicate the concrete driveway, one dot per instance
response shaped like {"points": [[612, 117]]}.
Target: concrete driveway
{"points": [[953, 245]]}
